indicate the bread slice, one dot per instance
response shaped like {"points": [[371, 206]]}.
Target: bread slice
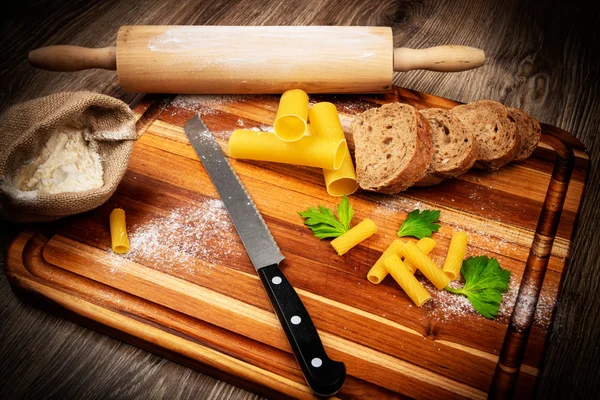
{"points": [[494, 131], [392, 147], [530, 130], [454, 149]]}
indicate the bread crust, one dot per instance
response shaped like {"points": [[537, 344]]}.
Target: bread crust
{"points": [[530, 130], [436, 173], [420, 157], [500, 115]]}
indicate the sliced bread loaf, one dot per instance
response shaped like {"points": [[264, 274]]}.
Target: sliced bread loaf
{"points": [[494, 130], [392, 147], [454, 149], [530, 130]]}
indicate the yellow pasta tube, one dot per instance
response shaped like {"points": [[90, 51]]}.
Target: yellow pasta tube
{"points": [[431, 271], [118, 231], [406, 280], [378, 270], [310, 151], [342, 181], [290, 122], [325, 121], [354, 236], [456, 254], [426, 245]]}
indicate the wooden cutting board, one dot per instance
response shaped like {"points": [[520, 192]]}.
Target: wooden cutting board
{"points": [[188, 291]]}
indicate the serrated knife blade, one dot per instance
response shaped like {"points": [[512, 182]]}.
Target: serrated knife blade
{"points": [[251, 227], [323, 375]]}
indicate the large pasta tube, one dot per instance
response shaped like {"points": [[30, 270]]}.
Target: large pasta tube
{"points": [[311, 151], [406, 280], [118, 231], [354, 236], [456, 254], [378, 271], [342, 181], [431, 271], [290, 122], [325, 121]]}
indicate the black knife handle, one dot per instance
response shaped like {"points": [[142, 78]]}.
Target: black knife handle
{"points": [[323, 375]]}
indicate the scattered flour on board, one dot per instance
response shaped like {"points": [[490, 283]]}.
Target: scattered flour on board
{"points": [[542, 311], [446, 306], [206, 102], [178, 240]]}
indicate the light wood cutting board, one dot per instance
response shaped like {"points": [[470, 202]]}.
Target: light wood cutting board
{"points": [[189, 292]]}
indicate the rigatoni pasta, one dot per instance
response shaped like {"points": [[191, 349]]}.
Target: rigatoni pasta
{"points": [[354, 236], [378, 271], [325, 121], [431, 271], [426, 245], [118, 231], [290, 122], [456, 254], [310, 151], [406, 280]]}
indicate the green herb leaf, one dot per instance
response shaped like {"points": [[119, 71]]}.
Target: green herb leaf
{"points": [[485, 281], [323, 222], [420, 224], [345, 212]]}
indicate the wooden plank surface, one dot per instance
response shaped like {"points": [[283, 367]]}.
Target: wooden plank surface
{"points": [[199, 270], [549, 72]]}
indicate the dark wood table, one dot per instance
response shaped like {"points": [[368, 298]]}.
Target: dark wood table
{"points": [[541, 56]]}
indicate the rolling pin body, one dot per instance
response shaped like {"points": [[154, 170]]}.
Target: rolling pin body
{"points": [[256, 59]]}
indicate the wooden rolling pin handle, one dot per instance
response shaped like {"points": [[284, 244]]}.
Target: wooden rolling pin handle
{"points": [[73, 58], [441, 58]]}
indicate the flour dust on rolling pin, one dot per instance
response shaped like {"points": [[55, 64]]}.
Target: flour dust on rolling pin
{"points": [[227, 60]]}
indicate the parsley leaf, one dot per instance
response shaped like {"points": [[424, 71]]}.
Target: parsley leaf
{"points": [[485, 281], [323, 223], [345, 212], [420, 224]]}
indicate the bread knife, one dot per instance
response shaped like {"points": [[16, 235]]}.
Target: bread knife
{"points": [[323, 375]]}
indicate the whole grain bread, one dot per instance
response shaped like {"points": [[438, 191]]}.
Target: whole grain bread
{"points": [[393, 147], [494, 130], [530, 130], [454, 149]]}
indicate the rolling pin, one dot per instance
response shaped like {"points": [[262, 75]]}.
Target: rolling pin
{"points": [[255, 59]]}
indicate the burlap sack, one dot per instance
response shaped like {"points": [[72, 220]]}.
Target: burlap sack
{"points": [[25, 128]]}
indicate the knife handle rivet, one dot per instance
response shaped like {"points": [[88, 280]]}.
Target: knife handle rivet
{"points": [[276, 280], [295, 320], [316, 362]]}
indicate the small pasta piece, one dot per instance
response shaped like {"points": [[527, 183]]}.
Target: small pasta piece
{"points": [[354, 236], [378, 270], [431, 271], [325, 121], [456, 254], [310, 151], [406, 280], [426, 245], [118, 231], [292, 113]]}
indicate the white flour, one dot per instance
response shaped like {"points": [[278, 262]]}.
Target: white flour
{"points": [[67, 163], [180, 239]]}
